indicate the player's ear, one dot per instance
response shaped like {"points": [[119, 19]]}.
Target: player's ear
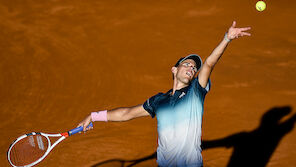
{"points": [[174, 70]]}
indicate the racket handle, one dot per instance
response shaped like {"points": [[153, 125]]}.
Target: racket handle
{"points": [[78, 129]]}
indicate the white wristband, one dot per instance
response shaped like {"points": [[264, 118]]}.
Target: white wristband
{"points": [[225, 37]]}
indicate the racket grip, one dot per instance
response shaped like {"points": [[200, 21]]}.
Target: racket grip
{"points": [[78, 129]]}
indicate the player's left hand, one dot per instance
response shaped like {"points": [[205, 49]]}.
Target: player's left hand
{"points": [[234, 32]]}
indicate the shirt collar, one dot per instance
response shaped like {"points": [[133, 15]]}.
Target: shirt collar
{"points": [[178, 92]]}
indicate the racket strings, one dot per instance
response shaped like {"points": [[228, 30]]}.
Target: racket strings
{"points": [[28, 150]]}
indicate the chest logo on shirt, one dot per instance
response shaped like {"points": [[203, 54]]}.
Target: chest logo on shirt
{"points": [[182, 94]]}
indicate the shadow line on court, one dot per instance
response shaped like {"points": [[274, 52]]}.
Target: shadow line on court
{"points": [[124, 163]]}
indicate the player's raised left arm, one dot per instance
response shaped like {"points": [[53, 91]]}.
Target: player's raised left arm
{"points": [[211, 61]]}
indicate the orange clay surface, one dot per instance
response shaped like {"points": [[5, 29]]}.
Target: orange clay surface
{"points": [[61, 60]]}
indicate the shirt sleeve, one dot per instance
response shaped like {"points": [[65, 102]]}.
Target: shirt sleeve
{"points": [[198, 87], [151, 103]]}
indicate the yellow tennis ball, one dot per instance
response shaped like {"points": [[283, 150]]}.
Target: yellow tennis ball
{"points": [[260, 6]]}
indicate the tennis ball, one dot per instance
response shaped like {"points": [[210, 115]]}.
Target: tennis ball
{"points": [[260, 6]]}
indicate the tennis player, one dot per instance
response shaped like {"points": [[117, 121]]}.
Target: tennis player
{"points": [[179, 111]]}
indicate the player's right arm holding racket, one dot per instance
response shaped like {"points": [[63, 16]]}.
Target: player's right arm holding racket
{"points": [[118, 114]]}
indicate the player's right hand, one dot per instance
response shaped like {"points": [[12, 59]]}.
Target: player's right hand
{"points": [[85, 123]]}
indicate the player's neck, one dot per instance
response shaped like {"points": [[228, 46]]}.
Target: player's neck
{"points": [[177, 85]]}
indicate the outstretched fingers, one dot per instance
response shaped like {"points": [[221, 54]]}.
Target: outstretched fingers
{"points": [[236, 32], [241, 31], [245, 33], [245, 29]]}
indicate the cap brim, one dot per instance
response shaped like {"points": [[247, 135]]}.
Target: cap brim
{"points": [[194, 57]]}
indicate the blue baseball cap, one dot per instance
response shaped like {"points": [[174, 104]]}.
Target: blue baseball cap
{"points": [[194, 57]]}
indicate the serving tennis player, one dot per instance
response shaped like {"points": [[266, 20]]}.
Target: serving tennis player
{"points": [[179, 111]]}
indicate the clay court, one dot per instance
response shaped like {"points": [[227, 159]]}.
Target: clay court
{"points": [[61, 60]]}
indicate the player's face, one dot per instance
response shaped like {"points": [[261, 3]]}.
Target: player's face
{"points": [[186, 71]]}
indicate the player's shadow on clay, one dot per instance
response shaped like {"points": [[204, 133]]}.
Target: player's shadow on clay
{"points": [[124, 163], [252, 148], [255, 148]]}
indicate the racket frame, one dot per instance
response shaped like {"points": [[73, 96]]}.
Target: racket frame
{"points": [[50, 147]]}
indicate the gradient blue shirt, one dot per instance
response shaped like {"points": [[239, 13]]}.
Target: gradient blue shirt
{"points": [[179, 121]]}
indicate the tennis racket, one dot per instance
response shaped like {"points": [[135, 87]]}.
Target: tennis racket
{"points": [[32, 148]]}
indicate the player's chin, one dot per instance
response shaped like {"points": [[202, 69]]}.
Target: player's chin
{"points": [[187, 80]]}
